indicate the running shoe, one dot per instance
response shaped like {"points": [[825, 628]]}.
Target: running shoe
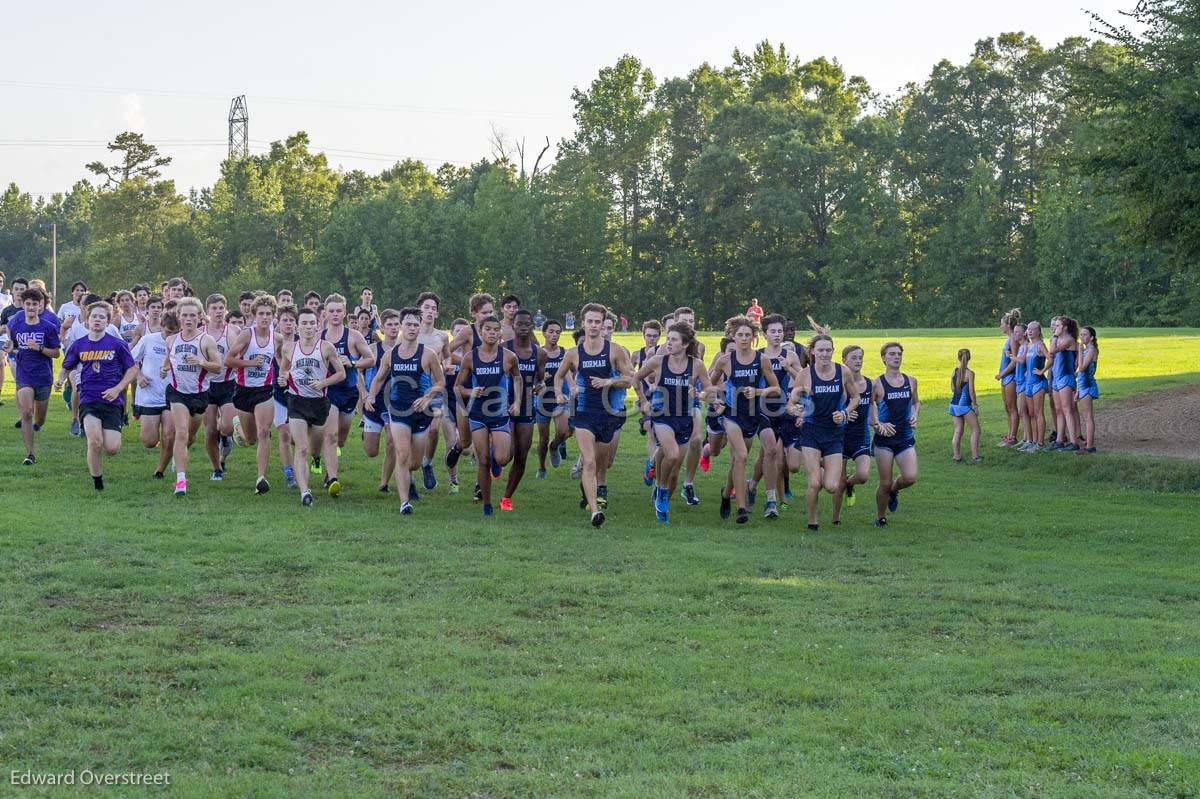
{"points": [[1072, 447], [429, 478], [29, 460], [881, 522], [452, 456], [648, 473], [453, 486], [705, 460], [413, 495], [893, 501], [814, 527], [478, 497], [662, 499], [689, 494], [226, 446], [339, 452], [17, 426], [787, 494], [306, 499], [385, 489], [217, 475], [598, 519], [577, 469], [239, 435], [555, 457], [315, 468], [75, 431], [541, 474], [751, 494], [487, 510], [334, 488], [406, 509], [158, 475], [977, 459], [662, 505], [726, 506], [602, 497], [772, 510], [262, 486], [743, 516], [562, 451], [1053, 446], [290, 482], [496, 468], [180, 488], [506, 503], [850, 500]]}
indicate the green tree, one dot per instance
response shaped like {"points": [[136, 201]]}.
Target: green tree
{"points": [[139, 159]]}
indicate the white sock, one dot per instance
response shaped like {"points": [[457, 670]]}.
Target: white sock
{"points": [[425, 462], [770, 495], [180, 476]]}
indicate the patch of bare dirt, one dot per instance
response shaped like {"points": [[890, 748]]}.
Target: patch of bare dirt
{"points": [[1150, 423]]}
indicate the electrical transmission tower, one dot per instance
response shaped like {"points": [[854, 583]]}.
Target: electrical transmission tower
{"points": [[239, 128]]}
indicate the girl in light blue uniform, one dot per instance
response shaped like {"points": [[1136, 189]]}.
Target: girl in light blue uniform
{"points": [[964, 408], [1018, 367], [1011, 372], [1086, 388], [1062, 383], [1036, 386]]}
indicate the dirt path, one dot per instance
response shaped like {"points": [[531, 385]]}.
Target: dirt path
{"points": [[1150, 424]]}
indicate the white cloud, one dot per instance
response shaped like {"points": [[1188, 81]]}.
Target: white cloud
{"points": [[134, 114]]}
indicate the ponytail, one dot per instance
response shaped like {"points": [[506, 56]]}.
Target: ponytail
{"points": [[820, 333], [960, 373]]}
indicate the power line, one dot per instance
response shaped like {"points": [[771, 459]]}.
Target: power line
{"points": [[264, 146], [366, 155], [85, 143], [401, 108]]}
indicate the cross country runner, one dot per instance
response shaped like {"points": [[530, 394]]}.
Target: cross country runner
{"points": [[309, 366], [192, 356], [414, 374]]}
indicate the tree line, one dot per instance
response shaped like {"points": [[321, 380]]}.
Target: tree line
{"points": [[1061, 180]]}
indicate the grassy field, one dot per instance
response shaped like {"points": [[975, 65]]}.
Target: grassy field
{"points": [[1023, 628]]}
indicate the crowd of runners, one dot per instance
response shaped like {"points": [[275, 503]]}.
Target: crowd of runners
{"points": [[494, 386]]}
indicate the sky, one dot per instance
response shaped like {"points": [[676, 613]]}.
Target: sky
{"points": [[373, 82]]}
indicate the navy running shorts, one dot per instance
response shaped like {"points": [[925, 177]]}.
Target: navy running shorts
{"points": [[826, 440]]}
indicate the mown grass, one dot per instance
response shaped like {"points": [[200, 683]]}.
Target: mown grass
{"points": [[1023, 628]]}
